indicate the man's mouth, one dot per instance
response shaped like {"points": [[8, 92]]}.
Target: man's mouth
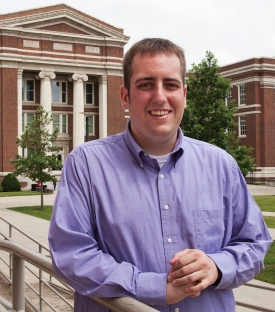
{"points": [[159, 113]]}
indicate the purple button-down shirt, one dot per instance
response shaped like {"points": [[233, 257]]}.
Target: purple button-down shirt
{"points": [[119, 219]]}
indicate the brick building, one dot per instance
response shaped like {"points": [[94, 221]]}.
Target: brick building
{"points": [[67, 61], [253, 89]]}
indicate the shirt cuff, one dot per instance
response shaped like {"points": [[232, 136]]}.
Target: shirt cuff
{"points": [[228, 270], [151, 288]]}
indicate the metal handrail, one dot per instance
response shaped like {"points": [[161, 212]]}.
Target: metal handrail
{"points": [[12, 226], [124, 304], [22, 253]]}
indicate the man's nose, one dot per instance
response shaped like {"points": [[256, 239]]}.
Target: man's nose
{"points": [[159, 95]]}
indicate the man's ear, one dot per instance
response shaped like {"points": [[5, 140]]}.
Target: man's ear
{"points": [[124, 98]]}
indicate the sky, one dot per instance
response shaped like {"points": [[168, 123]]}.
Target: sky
{"points": [[233, 30]]}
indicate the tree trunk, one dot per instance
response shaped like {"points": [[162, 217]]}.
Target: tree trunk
{"points": [[41, 193]]}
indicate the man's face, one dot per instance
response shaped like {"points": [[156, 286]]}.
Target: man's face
{"points": [[156, 102]]}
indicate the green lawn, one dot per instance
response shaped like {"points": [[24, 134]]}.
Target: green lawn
{"points": [[36, 211], [270, 222], [266, 203], [21, 193], [268, 274]]}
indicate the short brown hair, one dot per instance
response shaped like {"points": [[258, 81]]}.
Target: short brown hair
{"points": [[153, 46]]}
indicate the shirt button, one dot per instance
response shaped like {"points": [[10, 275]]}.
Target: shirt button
{"points": [[141, 165], [162, 176], [169, 240], [145, 154], [166, 207], [177, 310]]}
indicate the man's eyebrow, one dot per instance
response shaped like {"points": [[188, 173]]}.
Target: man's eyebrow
{"points": [[153, 79], [172, 79], [145, 79]]}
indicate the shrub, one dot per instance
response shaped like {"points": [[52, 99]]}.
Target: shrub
{"points": [[10, 183], [1, 188]]}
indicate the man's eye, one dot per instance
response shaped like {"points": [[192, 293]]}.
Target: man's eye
{"points": [[172, 86], [145, 85]]}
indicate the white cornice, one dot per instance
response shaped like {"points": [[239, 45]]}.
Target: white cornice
{"points": [[38, 52], [248, 113], [65, 37], [63, 66], [266, 81], [248, 106], [248, 69]]}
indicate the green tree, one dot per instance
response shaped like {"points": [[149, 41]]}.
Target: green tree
{"points": [[207, 117], [42, 159]]}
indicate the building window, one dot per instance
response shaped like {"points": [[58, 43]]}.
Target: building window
{"points": [[27, 90], [241, 99], [89, 93], [59, 91], [229, 97], [91, 124], [26, 120], [60, 122], [242, 125], [27, 151]]}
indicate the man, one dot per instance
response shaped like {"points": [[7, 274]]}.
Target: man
{"points": [[151, 214]]}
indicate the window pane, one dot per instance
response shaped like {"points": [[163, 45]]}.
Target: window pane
{"points": [[89, 93], [23, 88], [64, 124], [29, 90], [242, 94], [64, 87], [55, 91], [30, 151], [89, 88], [30, 84], [64, 98], [89, 99], [242, 125], [29, 118], [91, 124], [55, 121], [64, 92]]}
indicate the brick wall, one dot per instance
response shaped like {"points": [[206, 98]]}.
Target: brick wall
{"points": [[116, 119], [8, 117]]}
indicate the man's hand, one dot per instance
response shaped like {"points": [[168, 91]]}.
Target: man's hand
{"points": [[193, 270], [175, 294]]}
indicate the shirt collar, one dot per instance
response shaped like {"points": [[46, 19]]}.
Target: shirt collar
{"points": [[138, 152]]}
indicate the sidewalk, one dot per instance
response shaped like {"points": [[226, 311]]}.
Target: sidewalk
{"points": [[39, 228]]}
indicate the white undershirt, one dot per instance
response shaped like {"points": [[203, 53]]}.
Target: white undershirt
{"points": [[161, 159]]}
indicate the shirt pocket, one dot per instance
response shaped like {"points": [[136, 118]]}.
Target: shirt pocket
{"points": [[209, 230]]}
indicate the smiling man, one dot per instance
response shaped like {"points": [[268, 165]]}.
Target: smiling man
{"points": [[151, 214]]}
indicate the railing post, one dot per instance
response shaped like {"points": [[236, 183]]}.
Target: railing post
{"points": [[18, 284], [10, 257]]}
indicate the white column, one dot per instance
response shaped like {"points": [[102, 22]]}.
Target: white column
{"points": [[46, 91], [78, 109], [19, 106], [103, 128]]}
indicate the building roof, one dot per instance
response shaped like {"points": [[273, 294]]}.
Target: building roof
{"points": [[50, 19]]}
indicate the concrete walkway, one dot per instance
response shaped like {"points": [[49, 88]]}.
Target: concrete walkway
{"points": [[39, 228]]}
